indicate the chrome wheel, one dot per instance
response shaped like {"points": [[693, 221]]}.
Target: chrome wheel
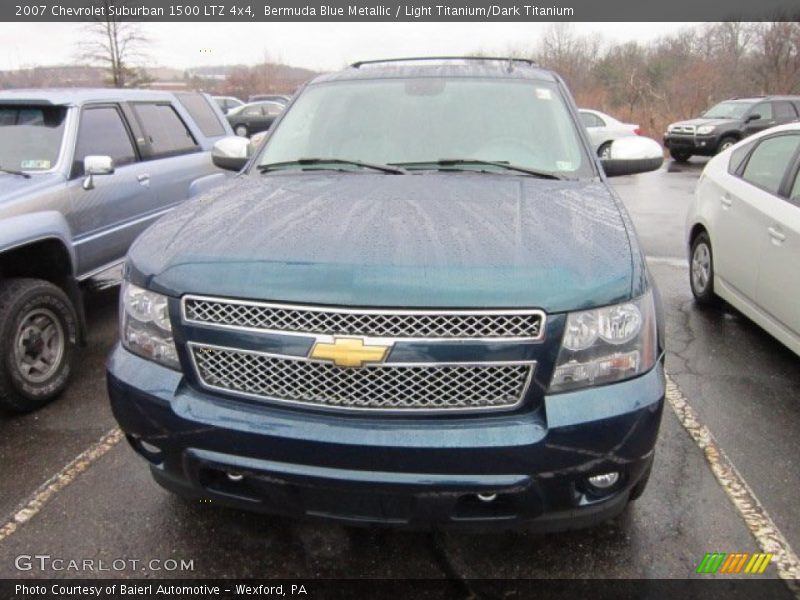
{"points": [[701, 268], [241, 131], [39, 345], [605, 152]]}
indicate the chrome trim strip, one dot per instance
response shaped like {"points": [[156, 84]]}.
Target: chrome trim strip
{"points": [[402, 411], [368, 311], [97, 233], [101, 269]]}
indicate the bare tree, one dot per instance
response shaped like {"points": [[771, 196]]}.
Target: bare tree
{"points": [[116, 45], [778, 59]]}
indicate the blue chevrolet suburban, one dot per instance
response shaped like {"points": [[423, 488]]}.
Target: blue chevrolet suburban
{"points": [[419, 303]]}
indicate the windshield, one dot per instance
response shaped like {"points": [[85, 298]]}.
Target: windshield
{"points": [[425, 120], [727, 110], [30, 136]]}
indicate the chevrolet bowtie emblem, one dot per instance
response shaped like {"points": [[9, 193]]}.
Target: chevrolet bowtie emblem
{"points": [[349, 352]]}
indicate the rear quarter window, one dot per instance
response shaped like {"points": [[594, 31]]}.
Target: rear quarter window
{"points": [[165, 133], [198, 107]]}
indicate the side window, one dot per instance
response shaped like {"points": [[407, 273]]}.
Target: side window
{"points": [[794, 194], [589, 120], [768, 162], [202, 113], [252, 111], [738, 156], [102, 132], [784, 111], [164, 130], [763, 110], [273, 109]]}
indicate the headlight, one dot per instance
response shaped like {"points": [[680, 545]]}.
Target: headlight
{"points": [[670, 128], [606, 344], [145, 326], [705, 129]]}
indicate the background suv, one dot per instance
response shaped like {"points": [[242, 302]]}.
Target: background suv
{"points": [[82, 173], [722, 126]]}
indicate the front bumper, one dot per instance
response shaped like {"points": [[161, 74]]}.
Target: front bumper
{"points": [[395, 471], [705, 145]]}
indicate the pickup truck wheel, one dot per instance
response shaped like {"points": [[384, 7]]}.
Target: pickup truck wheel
{"points": [[680, 156], [38, 333], [701, 270], [241, 131], [726, 143]]}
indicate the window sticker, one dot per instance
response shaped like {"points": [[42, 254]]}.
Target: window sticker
{"points": [[565, 165], [544, 94], [35, 164]]}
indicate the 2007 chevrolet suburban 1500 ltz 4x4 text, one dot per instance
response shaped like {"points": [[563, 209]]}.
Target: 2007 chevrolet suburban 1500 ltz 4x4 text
{"points": [[419, 303]]}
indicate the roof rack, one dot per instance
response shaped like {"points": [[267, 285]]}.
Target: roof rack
{"points": [[527, 61]]}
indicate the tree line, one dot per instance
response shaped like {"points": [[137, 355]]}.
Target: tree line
{"points": [[676, 76]]}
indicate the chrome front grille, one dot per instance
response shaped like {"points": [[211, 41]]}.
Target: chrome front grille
{"points": [[402, 324], [684, 129], [389, 387]]}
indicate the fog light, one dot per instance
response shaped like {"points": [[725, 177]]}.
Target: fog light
{"points": [[147, 447], [604, 481]]}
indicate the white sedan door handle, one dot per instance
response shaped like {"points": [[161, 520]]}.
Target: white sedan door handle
{"points": [[726, 201], [776, 235], [143, 179]]}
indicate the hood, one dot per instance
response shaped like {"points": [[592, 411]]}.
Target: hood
{"points": [[703, 121], [16, 186], [427, 240]]}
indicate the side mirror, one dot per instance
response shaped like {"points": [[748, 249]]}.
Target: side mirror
{"points": [[231, 153], [753, 117], [96, 165], [631, 155]]}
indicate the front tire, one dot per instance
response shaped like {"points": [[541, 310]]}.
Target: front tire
{"points": [[701, 270], [38, 334], [680, 156], [604, 151], [726, 143], [241, 131]]}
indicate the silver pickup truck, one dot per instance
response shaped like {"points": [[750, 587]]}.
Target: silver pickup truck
{"points": [[82, 174]]}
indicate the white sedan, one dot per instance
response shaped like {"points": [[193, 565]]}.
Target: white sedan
{"points": [[744, 231], [604, 129]]}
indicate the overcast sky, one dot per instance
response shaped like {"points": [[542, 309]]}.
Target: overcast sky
{"points": [[320, 46]]}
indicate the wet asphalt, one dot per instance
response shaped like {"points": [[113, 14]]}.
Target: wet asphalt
{"points": [[743, 384]]}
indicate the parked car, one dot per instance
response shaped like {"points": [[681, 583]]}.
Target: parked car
{"points": [[726, 123], [253, 118], [604, 129], [420, 302], [744, 231], [227, 103], [82, 173], [279, 98]]}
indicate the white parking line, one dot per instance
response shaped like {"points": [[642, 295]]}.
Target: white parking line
{"points": [[670, 261], [31, 507], [755, 516]]}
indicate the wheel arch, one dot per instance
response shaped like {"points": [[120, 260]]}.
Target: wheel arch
{"points": [[47, 258]]}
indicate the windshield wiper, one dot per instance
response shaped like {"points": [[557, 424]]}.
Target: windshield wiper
{"points": [[455, 162], [334, 161], [13, 172]]}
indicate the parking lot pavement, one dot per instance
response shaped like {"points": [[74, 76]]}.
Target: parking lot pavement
{"points": [[740, 382]]}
